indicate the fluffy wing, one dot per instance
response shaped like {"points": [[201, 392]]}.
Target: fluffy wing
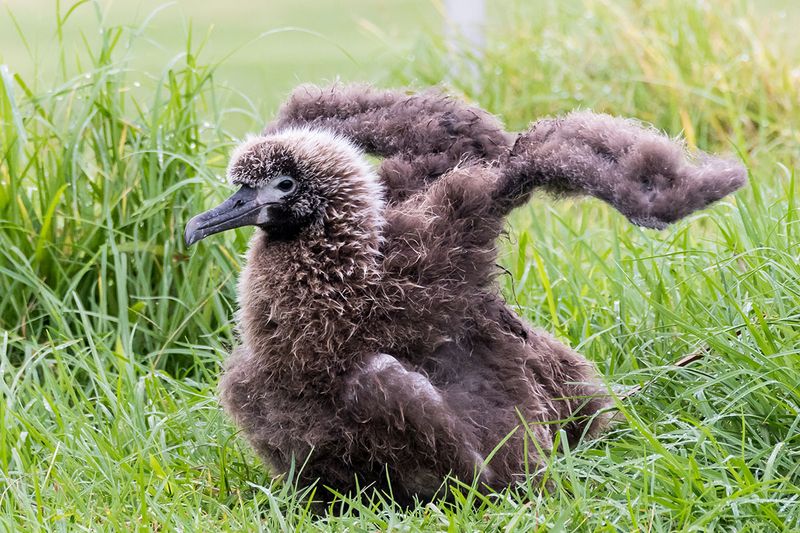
{"points": [[645, 175], [421, 135], [648, 177]]}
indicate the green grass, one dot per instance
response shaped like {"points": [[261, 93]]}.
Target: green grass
{"points": [[113, 334], [269, 47]]}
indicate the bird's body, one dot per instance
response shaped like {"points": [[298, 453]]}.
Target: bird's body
{"points": [[375, 344], [407, 359]]}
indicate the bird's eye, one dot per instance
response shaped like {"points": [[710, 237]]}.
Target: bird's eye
{"points": [[286, 185]]}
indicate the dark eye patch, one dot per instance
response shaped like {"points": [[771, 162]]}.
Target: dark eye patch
{"points": [[285, 185]]}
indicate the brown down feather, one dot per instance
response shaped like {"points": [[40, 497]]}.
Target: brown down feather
{"points": [[375, 343]]}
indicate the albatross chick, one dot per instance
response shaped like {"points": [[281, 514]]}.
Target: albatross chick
{"points": [[375, 344]]}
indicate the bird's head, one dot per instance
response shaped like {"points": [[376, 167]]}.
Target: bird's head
{"points": [[294, 181]]}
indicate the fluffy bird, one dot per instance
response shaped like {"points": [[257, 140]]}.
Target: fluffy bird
{"points": [[375, 345]]}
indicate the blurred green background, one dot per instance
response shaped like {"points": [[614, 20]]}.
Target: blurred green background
{"points": [[264, 48], [268, 46]]}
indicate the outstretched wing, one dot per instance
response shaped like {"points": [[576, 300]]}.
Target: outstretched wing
{"points": [[648, 177], [421, 136], [645, 175]]}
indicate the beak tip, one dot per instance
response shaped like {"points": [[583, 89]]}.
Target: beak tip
{"points": [[191, 234], [241, 209]]}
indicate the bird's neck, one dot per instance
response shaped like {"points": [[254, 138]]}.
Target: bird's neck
{"points": [[305, 305]]}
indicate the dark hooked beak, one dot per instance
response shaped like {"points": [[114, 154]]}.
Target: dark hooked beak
{"points": [[243, 208]]}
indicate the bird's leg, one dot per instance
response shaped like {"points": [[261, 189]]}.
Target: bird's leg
{"points": [[645, 175], [403, 415]]}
